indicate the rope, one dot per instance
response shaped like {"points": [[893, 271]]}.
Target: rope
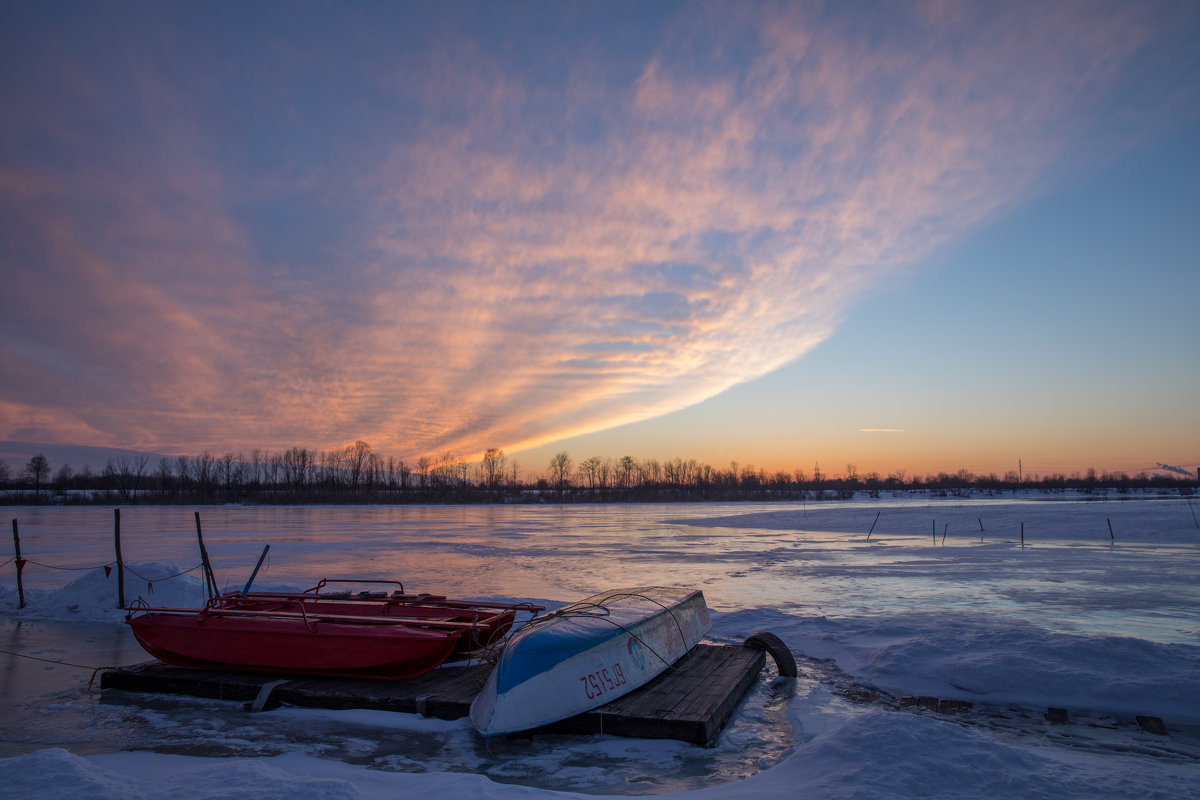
{"points": [[95, 670], [51, 566], [53, 661], [600, 612], [102, 566], [167, 578]]}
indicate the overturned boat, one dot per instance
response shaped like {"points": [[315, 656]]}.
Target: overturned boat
{"points": [[587, 654]]}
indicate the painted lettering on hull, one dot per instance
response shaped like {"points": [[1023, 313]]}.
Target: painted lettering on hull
{"points": [[601, 682]]}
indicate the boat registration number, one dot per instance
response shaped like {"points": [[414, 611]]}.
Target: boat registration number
{"points": [[596, 684]]}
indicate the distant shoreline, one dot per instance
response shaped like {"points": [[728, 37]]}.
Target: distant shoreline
{"points": [[580, 496]]}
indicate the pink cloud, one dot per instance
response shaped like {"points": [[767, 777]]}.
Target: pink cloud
{"points": [[507, 282]]}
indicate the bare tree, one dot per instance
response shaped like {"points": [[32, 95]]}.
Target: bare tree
{"points": [[164, 475], [204, 471], [607, 472], [183, 471], [625, 470], [272, 469], [450, 470], [493, 467], [331, 472], [229, 466], [357, 459], [38, 471], [405, 471], [560, 470], [373, 472], [62, 478], [256, 466], [297, 464], [589, 471]]}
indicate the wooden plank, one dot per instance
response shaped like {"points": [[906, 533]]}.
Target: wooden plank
{"points": [[697, 676], [691, 702], [691, 686]]}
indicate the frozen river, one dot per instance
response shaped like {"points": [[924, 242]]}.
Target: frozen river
{"points": [[1097, 610]]}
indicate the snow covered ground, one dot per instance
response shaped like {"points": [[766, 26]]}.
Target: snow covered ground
{"points": [[942, 600]]}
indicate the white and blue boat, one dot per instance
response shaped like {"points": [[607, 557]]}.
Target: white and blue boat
{"points": [[587, 654]]}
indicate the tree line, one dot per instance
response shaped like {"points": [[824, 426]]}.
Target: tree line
{"points": [[358, 474]]}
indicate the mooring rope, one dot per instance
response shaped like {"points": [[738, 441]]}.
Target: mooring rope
{"points": [[95, 670], [109, 565], [52, 566], [167, 578]]}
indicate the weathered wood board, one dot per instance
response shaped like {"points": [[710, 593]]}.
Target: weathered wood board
{"points": [[691, 701]]}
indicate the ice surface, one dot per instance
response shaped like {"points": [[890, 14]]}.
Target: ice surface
{"points": [[1107, 627]]}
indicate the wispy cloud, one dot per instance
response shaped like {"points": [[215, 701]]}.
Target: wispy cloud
{"points": [[466, 251]]}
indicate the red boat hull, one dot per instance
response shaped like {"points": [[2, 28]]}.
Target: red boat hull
{"points": [[320, 647]]}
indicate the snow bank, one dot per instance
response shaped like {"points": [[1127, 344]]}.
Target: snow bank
{"points": [[94, 594], [991, 662]]}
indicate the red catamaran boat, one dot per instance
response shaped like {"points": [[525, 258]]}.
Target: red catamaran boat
{"points": [[371, 634]]}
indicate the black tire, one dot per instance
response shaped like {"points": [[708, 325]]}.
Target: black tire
{"points": [[784, 660]]}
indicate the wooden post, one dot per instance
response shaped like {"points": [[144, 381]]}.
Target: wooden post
{"points": [[210, 582], [20, 566], [120, 563], [877, 513], [944, 533], [1110, 532]]}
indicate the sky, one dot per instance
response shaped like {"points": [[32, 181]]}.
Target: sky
{"points": [[901, 236]]}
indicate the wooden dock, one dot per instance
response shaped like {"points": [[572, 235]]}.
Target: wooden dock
{"points": [[691, 701]]}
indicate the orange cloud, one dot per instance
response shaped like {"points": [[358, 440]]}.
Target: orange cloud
{"points": [[493, 276]]}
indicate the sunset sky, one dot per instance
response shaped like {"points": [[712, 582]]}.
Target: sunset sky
{"points": [[919, 236]]}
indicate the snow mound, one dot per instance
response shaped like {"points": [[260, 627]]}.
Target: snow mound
{"points": [[93, 596]]}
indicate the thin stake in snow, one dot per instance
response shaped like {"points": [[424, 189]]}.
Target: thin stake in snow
{"points": [[944, 534], [877, 513], [1022, 535], [1110, 531]]}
